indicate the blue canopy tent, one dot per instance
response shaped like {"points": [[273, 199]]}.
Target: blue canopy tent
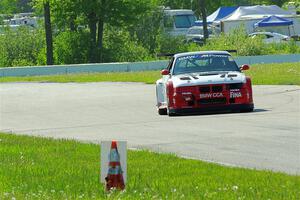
{"points": [[274, 21], [219, 14]]}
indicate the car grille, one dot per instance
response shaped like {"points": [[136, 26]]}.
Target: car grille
{"points": [[217, 88], [212, 101], [213, 88], [235, 86], [204, 89]]}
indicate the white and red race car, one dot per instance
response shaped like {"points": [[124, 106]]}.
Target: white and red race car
{"points": [[204, 81]]}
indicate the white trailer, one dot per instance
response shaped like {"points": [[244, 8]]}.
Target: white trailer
{"points": [[226, 26]]}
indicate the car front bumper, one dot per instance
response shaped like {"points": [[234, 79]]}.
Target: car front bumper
{"points": [[234, 107]]}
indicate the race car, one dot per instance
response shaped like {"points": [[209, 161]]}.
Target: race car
{"points": [[204, 81]]}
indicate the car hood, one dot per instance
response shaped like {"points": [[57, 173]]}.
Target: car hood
{"points": [[206, 79]]}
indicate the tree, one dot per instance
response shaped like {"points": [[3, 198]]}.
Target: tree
{"points": [[202, 6], [24, 6], [8, 6], [48, 31], [178, 4], [14, 6], [278, 2], [65, 14], [99, 13], [96, 14]]}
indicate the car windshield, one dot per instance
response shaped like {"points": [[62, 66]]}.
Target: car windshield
{"points": [[204, 63], [184, 21]]}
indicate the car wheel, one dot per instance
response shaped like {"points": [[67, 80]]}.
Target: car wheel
{"points": [[162, 111]]}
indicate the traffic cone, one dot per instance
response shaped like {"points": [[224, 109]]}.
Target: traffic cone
{"points": [[114, 177]]}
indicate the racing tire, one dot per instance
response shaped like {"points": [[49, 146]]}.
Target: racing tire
{"points": [[162, 111], [171, 114]]}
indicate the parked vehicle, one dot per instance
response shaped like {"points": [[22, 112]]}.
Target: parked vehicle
{"points": [[270, 37], [22, 19], [177, 22], [195, 34], [203, 81]]}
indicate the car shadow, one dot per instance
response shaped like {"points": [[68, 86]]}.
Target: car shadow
{"points": [[260, 110]]}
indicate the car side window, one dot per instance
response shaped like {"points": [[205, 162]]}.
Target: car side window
{"points": [[170, 64], [269, 36]]}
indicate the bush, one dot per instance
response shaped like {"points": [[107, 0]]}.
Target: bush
{"points": [[246, 46], [3, 53], [71, 47], [173, 44], [282, 48], [120, 47], [20, 47], [235, 40]]}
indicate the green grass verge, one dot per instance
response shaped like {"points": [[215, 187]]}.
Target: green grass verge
{"points": [[275, 74], [145, 77], [262, 74], [39, 168]]}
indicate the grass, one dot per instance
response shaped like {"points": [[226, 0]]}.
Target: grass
{"points": [[145, 76], [262, 74], [39, 168], [275, 74]]}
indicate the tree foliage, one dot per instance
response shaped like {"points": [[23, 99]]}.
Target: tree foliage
{"points": [[68, 15], [120, 46], [8, 6], [15, 6]]}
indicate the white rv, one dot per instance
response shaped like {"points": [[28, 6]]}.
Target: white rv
{"points": [[177, 22]]}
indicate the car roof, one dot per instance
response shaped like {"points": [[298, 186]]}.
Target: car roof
{"points": [[200, 52]]}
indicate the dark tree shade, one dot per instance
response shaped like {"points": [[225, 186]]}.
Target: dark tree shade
{"points": [[202, 5], [48, 31]]}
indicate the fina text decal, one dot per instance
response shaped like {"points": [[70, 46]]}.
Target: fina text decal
{"points": [[235, 94]]}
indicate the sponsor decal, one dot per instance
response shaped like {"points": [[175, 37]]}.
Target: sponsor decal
{"points": [[211, 95], [235, 94], [189, 57], [197, 56], [214, 55]]}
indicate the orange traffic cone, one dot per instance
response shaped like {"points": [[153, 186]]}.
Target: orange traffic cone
{"points": [[114, 177]]}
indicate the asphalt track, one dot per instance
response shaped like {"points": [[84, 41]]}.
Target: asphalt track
{"points": [[268, 138]]}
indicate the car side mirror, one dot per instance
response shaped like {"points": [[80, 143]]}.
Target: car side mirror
{"points": [[165, 72], [244, 67]]}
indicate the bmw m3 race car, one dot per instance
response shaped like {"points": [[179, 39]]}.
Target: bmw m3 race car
{"points": [[204, 81]]}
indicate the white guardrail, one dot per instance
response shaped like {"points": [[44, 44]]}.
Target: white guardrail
{"points": [[126, 67]]}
